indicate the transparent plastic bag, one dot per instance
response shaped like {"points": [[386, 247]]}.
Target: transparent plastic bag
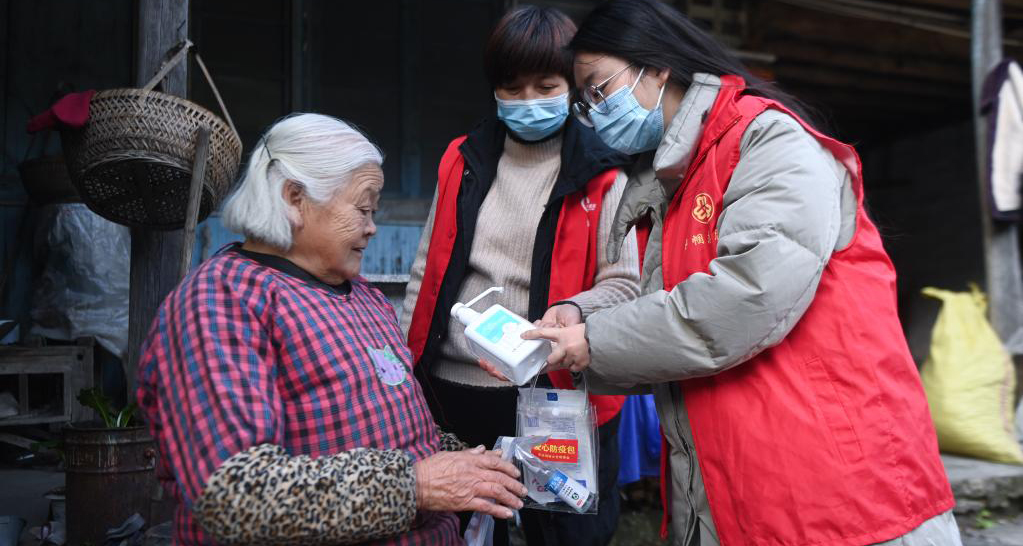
{"points": [[480, 531], [567, 422]]}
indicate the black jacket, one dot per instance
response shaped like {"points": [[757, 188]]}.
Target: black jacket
{"points": [[583, 157]]}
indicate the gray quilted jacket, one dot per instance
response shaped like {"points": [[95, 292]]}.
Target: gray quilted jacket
{"points": [[788, 206]]}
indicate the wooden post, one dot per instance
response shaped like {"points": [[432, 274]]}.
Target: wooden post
{"points": [[1001, 240], [202, 148], [154, 254], [410, 44], [297, 66]]}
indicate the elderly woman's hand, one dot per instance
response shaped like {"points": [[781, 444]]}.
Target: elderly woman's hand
{"points": [[466, 481]]}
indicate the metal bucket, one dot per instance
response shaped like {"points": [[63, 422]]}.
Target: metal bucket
{"points": [[110, 476]]}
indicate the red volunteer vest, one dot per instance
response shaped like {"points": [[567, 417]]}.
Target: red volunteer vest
{"points": [[825, 438], [573, 262]]}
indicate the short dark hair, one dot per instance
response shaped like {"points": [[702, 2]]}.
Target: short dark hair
{"points": [[529, 40]]}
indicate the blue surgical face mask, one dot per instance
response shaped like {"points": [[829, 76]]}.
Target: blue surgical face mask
{"points": [[534, 119], [627, 126]]}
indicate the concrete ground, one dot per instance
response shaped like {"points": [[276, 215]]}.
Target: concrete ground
{"points": [[1002, 532], [21, 494], [989, 501]]}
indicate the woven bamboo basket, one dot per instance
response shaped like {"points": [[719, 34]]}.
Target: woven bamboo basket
{"points": [[132, 161], [46, 180]]}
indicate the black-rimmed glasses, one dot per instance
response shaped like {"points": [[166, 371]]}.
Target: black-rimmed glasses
{"points": [[592, 97]]}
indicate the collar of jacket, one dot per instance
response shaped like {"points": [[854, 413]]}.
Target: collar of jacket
{"points": [[654, 177], [683, 133], [583, 156]]}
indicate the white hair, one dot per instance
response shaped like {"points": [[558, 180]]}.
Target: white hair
{"points": [[315, 151]]}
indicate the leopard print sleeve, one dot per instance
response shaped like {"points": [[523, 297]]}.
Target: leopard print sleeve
{"points": [[265, 496], [450, 442]]}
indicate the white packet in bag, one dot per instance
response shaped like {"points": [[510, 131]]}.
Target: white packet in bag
{"points": [[564, 416]]}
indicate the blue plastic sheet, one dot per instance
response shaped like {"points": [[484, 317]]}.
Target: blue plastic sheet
{"points": [[639, 439]]}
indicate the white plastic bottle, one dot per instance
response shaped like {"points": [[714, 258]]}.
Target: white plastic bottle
{"points": [[495, 336]]}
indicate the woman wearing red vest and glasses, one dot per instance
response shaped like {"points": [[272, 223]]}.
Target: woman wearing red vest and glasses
{"points": [[525, 201], [792, 410]]}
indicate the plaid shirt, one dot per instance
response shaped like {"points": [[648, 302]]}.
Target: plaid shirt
{"points": [[241, 354]]}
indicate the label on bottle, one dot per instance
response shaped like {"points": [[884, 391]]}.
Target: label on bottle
{"points": [[502, 328], [568, 490]]}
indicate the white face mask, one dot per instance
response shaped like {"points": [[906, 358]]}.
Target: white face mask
{"points": [[533, 119], [626, 126]]}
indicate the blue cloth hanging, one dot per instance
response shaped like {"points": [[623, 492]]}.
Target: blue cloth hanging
{"points": [[639, 439]]}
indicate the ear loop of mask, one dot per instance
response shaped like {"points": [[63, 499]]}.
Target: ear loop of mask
{"points": [[659, 96], [632, 89], [639, 77]]}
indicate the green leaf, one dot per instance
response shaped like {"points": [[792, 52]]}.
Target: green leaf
{"points": [[95, 399], [126, 415], [984, 520]]}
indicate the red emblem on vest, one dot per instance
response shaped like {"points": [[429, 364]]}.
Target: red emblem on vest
{"points": [[703, 211]]}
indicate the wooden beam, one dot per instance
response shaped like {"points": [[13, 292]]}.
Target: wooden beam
{"points": [[846, 79], [15, 440], [297, 59], [853, 103], [962, 5], [411, 151], [785, 22], [154, 254], [202, 151], [5, 39], [851, 57], [1001, 241]]}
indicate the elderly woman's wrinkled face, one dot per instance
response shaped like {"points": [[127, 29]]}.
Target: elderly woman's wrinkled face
{"points": [[331, 237]]}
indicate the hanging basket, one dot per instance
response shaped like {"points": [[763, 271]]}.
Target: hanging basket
{"points": [[46, 180], [132, 161]]}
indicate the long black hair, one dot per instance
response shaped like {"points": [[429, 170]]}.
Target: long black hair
{"points": [[649, 33]]}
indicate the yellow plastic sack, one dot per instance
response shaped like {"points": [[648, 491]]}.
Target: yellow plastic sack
{"points": [[970, 381]]}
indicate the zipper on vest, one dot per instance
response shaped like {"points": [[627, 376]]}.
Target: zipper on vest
{"points": [[675, 394]]}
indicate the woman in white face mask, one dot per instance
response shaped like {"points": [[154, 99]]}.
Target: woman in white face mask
{"points": [[768, 331], [525, 201]]}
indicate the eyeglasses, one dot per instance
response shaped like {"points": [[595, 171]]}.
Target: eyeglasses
{"points": [[592, 97]]}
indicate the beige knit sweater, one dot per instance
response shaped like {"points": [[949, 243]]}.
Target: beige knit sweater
{"points": [[502, 252]]}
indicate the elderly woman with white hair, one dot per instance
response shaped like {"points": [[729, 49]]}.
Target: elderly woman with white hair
{"points": [[276, 380]]}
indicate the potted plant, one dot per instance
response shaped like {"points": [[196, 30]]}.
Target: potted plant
{"points": [[110, 468]]}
